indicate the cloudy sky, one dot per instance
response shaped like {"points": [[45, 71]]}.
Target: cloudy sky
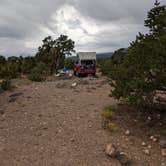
{"points": [[95, 25]]}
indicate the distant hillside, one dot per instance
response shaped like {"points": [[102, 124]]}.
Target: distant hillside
{"points": [[104, 55]]}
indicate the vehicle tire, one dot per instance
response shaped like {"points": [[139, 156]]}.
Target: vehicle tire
{"points": [[94, 74]]}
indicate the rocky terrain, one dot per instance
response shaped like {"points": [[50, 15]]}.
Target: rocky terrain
{"points": [[58, 123]]}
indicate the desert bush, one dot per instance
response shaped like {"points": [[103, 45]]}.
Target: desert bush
{"points": [[9, 71], [2, 60], [11, 67], [108, 65], [27, 64], [38, 73], [107, 116], [35, 75], [5, 84], [42, 68], [108, 112], [140, 72], [111, 126], [50, 55], [104, 65]]}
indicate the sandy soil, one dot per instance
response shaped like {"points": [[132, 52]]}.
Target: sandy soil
{"points": [[51, 123]]}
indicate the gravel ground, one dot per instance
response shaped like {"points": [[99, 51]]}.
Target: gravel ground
{"points": [[54, 124]]}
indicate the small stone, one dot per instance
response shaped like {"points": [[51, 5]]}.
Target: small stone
{"points": [[163, 164], [127, 132], [90, 126], [143, 144], [72, 140], [152, 137], [149, 118], [74, 85], [70, 74], [149, 146], [63, 144], [123, 159], [146, 151], [163, 152], [59, 131], [111, 150]]}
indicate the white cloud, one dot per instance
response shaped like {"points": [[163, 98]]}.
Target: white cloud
{"points": [[68, 20], [92, 35], [94, 25]]}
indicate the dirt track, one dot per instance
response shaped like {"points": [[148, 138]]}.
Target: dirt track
{"points": [[51, 123]]}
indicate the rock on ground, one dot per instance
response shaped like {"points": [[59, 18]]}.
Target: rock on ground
{"points": [[111, 150]]}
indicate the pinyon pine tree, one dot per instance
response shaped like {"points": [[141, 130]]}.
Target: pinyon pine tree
{"points": [[143, 70]]}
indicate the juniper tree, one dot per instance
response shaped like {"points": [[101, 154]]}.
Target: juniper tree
{"points": [[156, 19], [143, 70], [53, 52]]}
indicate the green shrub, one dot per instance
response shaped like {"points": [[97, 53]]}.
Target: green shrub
{"points": [[42, 68], [8, 71], [104, 65], [38, 73], [137, 73], [27, 64], [5, 84], [35, 75]]}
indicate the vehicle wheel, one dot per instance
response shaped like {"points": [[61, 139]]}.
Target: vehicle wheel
{"points": [[94, 74]]}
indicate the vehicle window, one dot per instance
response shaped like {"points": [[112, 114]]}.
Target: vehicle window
{"points": [[87, 62]]}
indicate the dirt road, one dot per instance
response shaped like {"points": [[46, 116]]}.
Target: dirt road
{"points": [[53, 124]]}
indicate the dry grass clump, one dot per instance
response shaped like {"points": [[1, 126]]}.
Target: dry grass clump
{"points": [[107, 116], [111, 126]]}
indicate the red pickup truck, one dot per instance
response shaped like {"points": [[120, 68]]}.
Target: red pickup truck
{"points": [[86, 64]]}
